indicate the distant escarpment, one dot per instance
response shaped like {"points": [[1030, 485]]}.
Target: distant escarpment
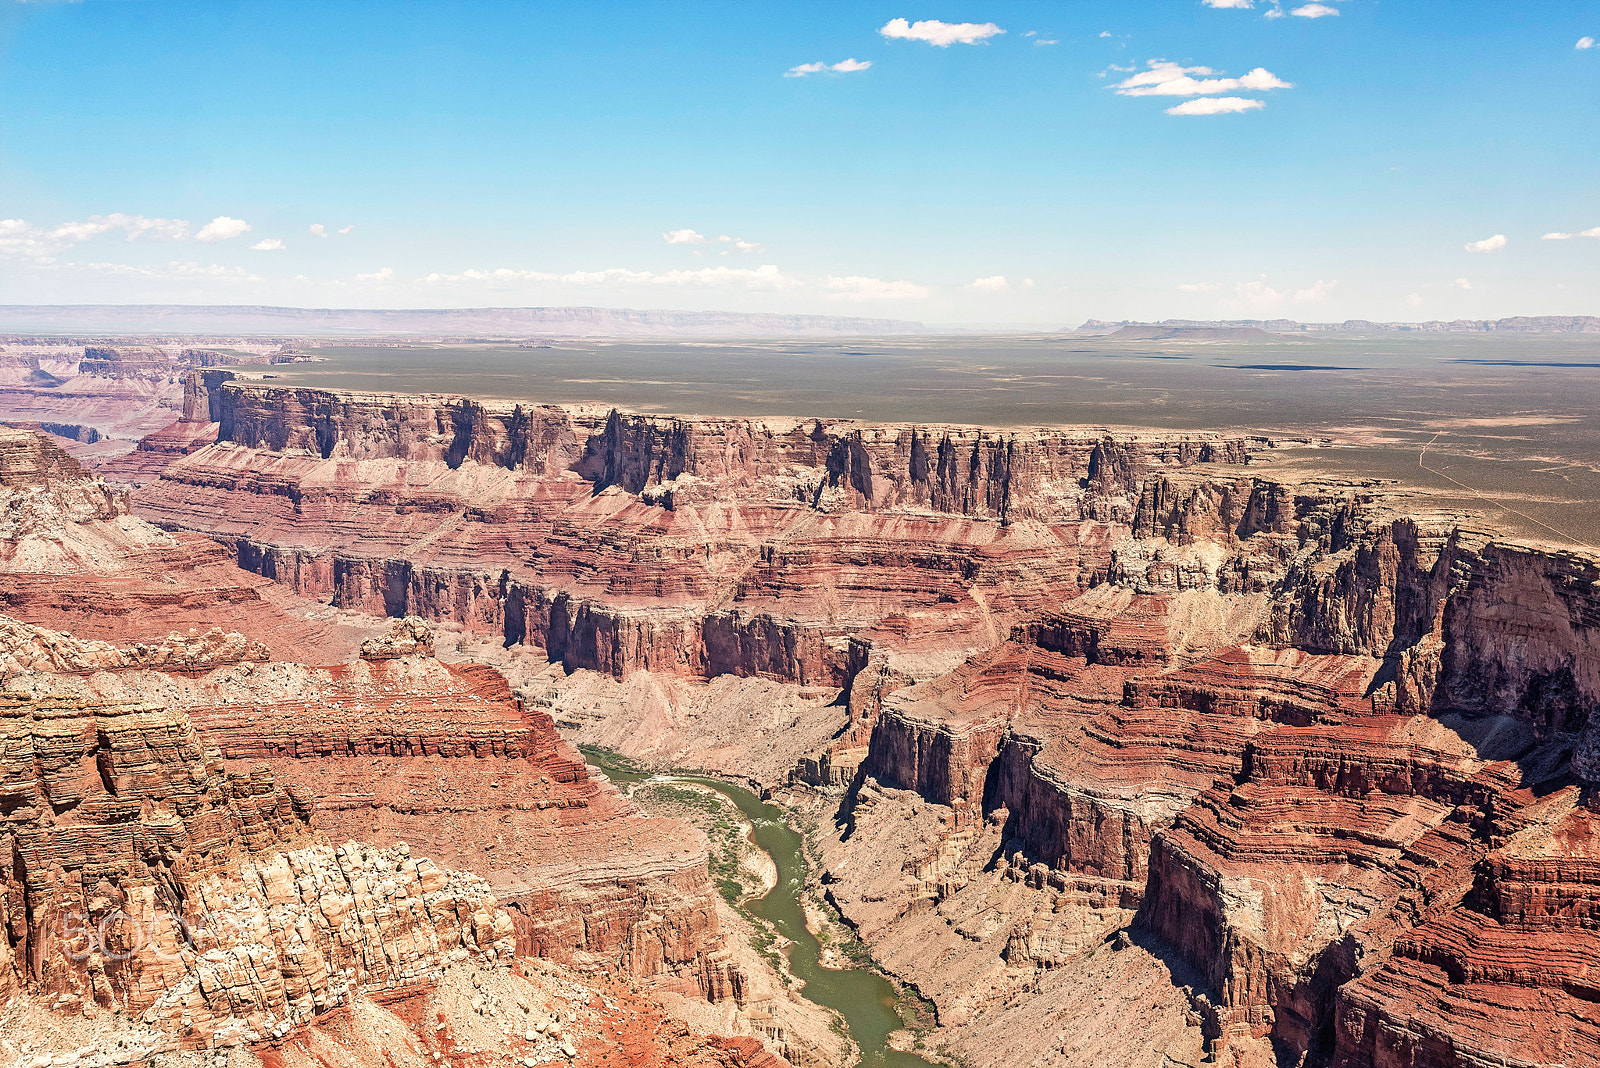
{"points": [[1238, 329], [694, 546]]}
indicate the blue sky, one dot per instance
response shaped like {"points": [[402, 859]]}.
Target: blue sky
{"points": [[971, 162]]}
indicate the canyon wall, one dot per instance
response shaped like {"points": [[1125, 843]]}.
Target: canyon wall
{"points": [[220, 848], [1331, 753], [1325, 746], [622, 542]]}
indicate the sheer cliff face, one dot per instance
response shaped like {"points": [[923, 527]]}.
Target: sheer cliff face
{"points": [[1335, 754], [133, 852], [171, 801], [699, 547]]}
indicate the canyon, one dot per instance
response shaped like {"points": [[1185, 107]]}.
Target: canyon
{"points": [[1121, 746], [205, 854]]}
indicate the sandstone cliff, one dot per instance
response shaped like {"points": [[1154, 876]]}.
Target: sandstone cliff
{"points": [[1322, 746], [698, 547]]}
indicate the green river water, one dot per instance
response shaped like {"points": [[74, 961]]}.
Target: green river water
{"points": [[864, 998]]}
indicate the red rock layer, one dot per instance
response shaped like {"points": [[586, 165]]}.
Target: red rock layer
{"points": [[698, 547], [1351, 848], [447, 760], [141, 876], [72, 559]]}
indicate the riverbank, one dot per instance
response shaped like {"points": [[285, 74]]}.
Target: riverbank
{"points": [[866, 1001]]}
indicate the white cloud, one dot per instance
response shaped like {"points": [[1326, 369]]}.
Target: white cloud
{"points": [[1584, 44], [739, 244], [1314, 11], [684, 237], [1046, 41], [1488, 244], [940, 34], [1027, 283], [20, 238], [381, 275], [1316, 293], [318, 230], [847, 66], [1215, 105], [1198, 287], [1414, 300], [1593, 231], [993, 284], [766, 277], [135, 226], [856, 288], [268, 244], [805, 68], [222, 228], [844, 66], [1557, 236], [1105, 33], [1228, 3], [1169, 79], [1462, 283], [346, 229], [1259, 296]]}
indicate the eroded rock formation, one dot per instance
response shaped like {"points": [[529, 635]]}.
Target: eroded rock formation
{"points": [[1326, 755]]}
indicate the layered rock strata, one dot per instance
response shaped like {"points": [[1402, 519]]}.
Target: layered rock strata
{"points": [[697, 547], [143, 878], [1323, 747]]}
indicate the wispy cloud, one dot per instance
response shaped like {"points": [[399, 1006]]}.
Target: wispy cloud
{"points": [[383, 274], [134, 226], [318, 230], [346, 229], [1165, 78], [174, 271], [1259, 296], [857, 288], [1314, 11], [18, 237], [222, 228], [1584, 44], [766, 277], [695, 237], [1488, 244], [1216, 105], [268, 244], [1557, 235], [1228, 3], [993, 284], [1198, 287], [844, 66], [940, 34], [1462, 283]]}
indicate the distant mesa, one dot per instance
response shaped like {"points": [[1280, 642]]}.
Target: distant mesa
{"points": [[1162, 332], [462, 324], [1262, 329]]}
